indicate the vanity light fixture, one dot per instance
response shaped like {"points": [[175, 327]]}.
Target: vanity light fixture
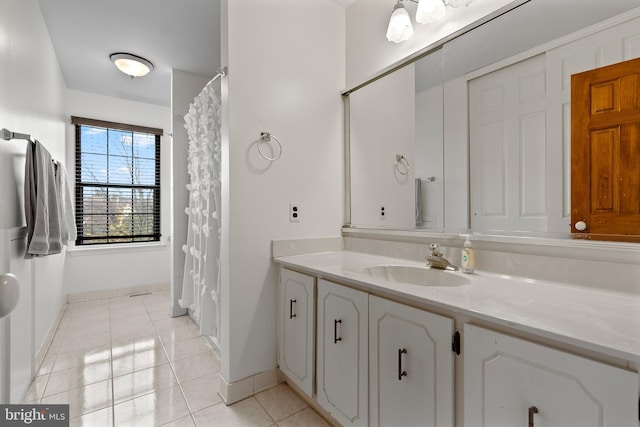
{"points": [[131, 65], [429, 11], [400, 28]]}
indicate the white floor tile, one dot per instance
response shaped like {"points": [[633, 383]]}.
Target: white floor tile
{"points": [[85, 399], [193, 367], [124, 361], [186, 348], [202, 392], [101, 418], [79, 376], [136, 384], [82, 357], [157, 408], [307, 418], [247, 413], [280, 402]]}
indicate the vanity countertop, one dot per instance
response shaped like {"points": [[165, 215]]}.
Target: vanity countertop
{"points": [[598, 320]]}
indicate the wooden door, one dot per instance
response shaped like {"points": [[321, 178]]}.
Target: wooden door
{"points": [[343, 368], [512, 382], [411, 366], [605, 152]]}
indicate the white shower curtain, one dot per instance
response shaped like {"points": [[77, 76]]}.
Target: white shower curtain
{"points": [[200, 285]]}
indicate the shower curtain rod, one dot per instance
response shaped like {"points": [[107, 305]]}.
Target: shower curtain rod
{"points": [[7, 135], [222, 72]]}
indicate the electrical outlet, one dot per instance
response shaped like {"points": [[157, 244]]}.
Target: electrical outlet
{"points": [[294, 212], [383, 212]]}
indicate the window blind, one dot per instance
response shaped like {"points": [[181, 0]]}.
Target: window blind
{"points": [[117, 182]]}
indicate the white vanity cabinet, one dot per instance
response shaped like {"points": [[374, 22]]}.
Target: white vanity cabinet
{"points": [[342, 359], [296, 328], [411, 366], [512, 382]]}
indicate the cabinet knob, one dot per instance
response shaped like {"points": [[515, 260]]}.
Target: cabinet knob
{"points": [[580, 225]]}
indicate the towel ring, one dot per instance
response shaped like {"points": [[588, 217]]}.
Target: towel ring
{"points": [[402, 160], [267, 137]]}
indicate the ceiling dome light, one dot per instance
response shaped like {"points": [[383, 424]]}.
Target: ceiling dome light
{"points": [[131, 65], [400, 28], [430, 11]]}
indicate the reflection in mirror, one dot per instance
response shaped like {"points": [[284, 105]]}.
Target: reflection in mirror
{"points": [[503, 173], [399, 115], [429, 148]]}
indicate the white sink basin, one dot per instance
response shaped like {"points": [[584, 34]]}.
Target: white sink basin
{"points": [[416, 275]]}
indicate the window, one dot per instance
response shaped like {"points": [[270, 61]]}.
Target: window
{"points": [[117, 182]]}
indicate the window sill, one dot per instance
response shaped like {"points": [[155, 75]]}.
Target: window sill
{"points": [[116, 248]]}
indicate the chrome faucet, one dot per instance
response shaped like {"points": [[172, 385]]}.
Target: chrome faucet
{"points": [[436, 260]]}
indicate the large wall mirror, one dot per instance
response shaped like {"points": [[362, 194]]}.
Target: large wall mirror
{"points": [[475, 132]]}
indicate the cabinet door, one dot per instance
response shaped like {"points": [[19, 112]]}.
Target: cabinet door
{"points": [[342, 364], [512, 382], [296, 316], [411, 366]]}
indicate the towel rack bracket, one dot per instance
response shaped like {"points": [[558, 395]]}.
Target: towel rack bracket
{"points": [[6, 134]]}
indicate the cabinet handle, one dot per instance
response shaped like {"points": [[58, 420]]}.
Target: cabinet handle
{"points": [[291, 302], [532, 411], [335, 331], [401, 373]]}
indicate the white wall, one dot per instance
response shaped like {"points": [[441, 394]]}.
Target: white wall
{"points": [[286, 71], [32, 91], [121, 266]]}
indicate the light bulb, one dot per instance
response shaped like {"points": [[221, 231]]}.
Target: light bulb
{"points": [[400, 28], [430, 11], [131, 65]]}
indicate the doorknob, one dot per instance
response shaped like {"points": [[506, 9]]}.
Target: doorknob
{"points": [[9, 292], [580, 225]]}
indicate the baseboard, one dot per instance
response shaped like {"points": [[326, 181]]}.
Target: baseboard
{"points": [[44, 348], [114, 293], [236, 391]]}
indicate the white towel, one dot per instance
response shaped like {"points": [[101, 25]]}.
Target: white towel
{"points": [[41, 203], [65, 206]]}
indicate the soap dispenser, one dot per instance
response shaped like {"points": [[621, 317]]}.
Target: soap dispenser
{"points": [[468, 258]]}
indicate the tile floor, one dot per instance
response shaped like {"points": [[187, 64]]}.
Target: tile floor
{"points": [[124, 362]]}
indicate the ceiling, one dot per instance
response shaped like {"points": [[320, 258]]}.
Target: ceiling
{"points": [[185, 35], [172, 34]]}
